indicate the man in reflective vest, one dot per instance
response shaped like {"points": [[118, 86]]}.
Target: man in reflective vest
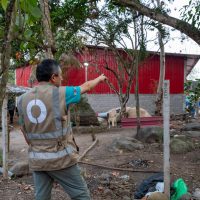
{"points": [[47, 130]]}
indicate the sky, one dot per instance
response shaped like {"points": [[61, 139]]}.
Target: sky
{"points": [[188, 46]]}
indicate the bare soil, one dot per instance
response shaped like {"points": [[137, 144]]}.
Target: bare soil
{"points": [[106, 184]]}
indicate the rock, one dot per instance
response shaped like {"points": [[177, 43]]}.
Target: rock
{"points": [[20, 168], [192, 133], [180, 146], [196, 194], [104, 176], [150, 134], [187, 196], [126, 198], [123, 192], [195, 126], [157, 196], [82, 113], [181, 137], [105, 182], [107, 192], [105, 179], [126, 144]]}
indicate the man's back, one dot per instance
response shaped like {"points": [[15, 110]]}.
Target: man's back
{"points": [[47, 128]]}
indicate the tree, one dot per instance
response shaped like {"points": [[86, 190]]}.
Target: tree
{"points": [[161, 36], [155, 13], [10, 16], [113, 29], [47, 34], [192, 91]]}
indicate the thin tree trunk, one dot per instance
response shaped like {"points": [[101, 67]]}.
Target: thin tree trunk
{"points": [[6, 48], [137, 95], [137, 82], [5, 64], [48, 36], [159, 98]]}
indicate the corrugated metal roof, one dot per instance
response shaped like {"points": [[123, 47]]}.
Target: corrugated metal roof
{"points": [[17, 90]]}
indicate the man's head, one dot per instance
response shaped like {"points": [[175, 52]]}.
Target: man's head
{"points": [[49, 71]]}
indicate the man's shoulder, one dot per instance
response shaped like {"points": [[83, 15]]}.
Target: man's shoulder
{"points": [[25, 94]]}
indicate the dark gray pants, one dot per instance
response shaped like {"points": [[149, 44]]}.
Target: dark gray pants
{"points": [[70, 179]]}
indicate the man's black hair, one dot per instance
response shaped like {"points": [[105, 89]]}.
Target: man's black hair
{"points": [[46, 69]]}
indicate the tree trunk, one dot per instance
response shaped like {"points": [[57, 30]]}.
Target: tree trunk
{"points": [[180, 25], [137, 81], [137, 96], [6, 48], [123, 110], [48, 36], [159, 98]]}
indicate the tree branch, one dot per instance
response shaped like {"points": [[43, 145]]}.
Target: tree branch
{"points": [[178, 24]]}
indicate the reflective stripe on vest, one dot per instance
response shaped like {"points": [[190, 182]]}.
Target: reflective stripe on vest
{"points": [[56, 108], [19, 105], [54, 155], [49, 135]]}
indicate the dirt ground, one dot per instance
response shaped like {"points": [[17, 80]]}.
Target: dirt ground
{"points": [[105, 184]]}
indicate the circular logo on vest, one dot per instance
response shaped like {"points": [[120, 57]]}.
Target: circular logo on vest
{"points": [[43, 111]]}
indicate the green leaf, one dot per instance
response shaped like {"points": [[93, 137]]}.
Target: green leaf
{"points": [[35, 11], [28, 33], [4, 4], [33, 2]]}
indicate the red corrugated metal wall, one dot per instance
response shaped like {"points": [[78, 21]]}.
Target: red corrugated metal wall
{"points": [[22, 76], [148, 72]]}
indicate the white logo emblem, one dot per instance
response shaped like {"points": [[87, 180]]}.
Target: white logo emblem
{"points": [[43, 111]]}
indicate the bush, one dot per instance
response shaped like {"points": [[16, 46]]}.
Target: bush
{"points": [[83, 114]]}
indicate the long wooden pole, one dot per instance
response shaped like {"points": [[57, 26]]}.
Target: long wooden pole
{"points": [[166, 116], [5, 137]]}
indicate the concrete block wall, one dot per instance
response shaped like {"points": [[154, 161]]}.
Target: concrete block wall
{"points": [[105, 102]]}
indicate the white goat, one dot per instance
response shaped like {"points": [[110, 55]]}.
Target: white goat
{"points": [[113, 114]]}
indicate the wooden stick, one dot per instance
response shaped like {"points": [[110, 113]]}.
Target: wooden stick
{"points": [[119, 169], [88, 149]]}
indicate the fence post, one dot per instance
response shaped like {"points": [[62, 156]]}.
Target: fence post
{"points": [[5, 137], [166, 119]]}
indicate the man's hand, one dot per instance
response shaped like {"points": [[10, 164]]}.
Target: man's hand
{"points": [[87, 86], [102, 77]]}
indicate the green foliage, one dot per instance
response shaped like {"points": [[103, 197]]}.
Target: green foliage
{"points": [[82, 107], [31, 7], [68, 18], [83, 113], [191, 13], [27, 31], [4, 4], [192, 91], [11, 76]]}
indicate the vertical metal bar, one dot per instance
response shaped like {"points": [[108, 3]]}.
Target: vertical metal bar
{"points": [[86, 73], [5, 137], [166, 116]]}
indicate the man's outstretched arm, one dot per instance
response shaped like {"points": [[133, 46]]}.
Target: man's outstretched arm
{"points": [[87, 86]]}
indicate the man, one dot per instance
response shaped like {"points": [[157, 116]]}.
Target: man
{"points": [[47, 130], [11, 108]]}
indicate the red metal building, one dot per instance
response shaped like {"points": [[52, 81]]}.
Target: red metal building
{"points": [[177, 67]]}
